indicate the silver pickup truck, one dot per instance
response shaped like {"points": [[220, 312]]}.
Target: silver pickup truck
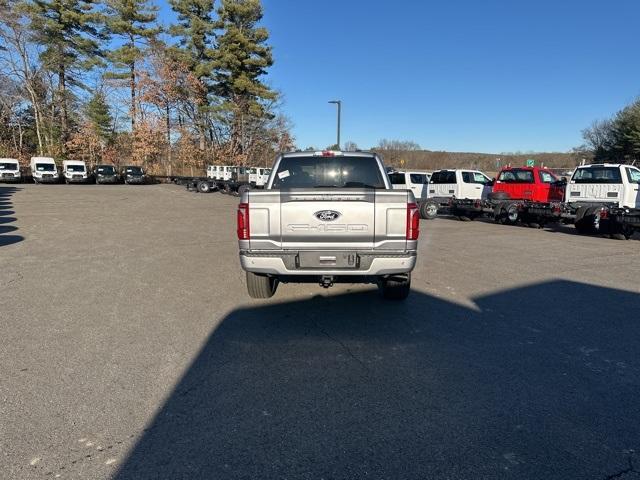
{"points": [[328, 217]]}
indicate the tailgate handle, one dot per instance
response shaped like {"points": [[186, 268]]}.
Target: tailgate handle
{"points": [[327, 259]]}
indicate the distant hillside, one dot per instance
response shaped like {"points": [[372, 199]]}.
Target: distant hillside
{"points": [[428, 160]]}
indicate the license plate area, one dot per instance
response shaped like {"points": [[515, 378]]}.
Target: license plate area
{"points": [[317, 260]]}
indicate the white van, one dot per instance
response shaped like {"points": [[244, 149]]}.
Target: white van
{"points": [[74, 171], [44, 170], [10, 170]]}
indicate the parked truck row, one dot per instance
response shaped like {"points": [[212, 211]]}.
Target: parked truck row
{"points": [[46, 170], [598, 198]]}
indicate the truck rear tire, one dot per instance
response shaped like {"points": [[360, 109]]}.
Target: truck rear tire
{"points": [[395, 287], [261, 286], [428, 210], [203, 187]]}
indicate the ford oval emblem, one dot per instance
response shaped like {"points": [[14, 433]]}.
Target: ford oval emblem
{"points": [[327, 215]]}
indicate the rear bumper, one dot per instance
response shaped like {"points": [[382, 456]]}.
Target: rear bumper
{"points": [[372, 264]]}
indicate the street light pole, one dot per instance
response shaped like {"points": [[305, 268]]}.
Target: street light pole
{"points": [[339, 104]]}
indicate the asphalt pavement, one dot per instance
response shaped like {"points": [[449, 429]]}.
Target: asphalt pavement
{"points": [[129, 349]]}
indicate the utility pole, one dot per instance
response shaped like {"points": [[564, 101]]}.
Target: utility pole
{"points": [[339, 104]]}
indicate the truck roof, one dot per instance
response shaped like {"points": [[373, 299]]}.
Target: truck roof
{"points": [[458, 170], [329, 153], [524, 167], [614, 165], [8, 160], [73, 162], [42, 159]]}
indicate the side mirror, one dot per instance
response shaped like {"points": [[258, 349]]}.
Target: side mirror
{"points": [[490, 183]]}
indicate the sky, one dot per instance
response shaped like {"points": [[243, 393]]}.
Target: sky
{"points": [[458, 75]]}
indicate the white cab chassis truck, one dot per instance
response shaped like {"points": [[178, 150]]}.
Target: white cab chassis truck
{"points": [[10, 170], [604, 198], [601, 198], [328, 217], [448, 185], [75, 171], [44, 170], [223, 178]]}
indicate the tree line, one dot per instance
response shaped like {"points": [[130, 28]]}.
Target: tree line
{"points": [[104, 81], [615, 139]]}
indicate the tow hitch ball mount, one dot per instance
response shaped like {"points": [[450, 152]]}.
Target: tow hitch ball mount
{"points": [[326, 281]]}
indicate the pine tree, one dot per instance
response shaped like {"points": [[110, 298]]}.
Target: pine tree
{"points": [[240, 60], [195, 31], [134, 22], [99, 115], [69, 32]]}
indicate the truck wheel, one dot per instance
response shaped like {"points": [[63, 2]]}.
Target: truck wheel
{"points": [[429, 210], [203, 186], [395, 287], [507, 214], [261, 286]]}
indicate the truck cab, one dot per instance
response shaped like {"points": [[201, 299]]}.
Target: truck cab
{"points": [[528, 183], [107, 174], [10, 170], [414, 180], [447, 185], [75, 171], [604, 184], [44, 170]]}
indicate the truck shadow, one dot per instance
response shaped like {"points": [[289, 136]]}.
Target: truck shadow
{"points": [[535, 382], [7, 217]]}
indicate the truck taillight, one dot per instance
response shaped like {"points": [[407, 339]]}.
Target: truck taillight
{"points": [[243, 222], [413, 221]]}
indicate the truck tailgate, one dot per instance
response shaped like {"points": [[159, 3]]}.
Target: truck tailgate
{"points": [[328, 219]]}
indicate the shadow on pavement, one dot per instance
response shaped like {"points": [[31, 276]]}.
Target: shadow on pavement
{"points": [[7, 217], [541, 381]]}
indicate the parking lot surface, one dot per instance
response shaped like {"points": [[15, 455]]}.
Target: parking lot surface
{"points": [[130, 350]]}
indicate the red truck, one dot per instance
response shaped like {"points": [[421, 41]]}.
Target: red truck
{"points": [[515, 190]]}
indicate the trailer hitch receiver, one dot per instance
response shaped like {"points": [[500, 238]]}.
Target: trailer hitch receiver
{"points": [[326, 281]]}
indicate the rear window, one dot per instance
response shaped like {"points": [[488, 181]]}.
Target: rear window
{"points": [[419, 178], [328, 172], [516, 176], [597, 175], [397, 178], [444, 176]]}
